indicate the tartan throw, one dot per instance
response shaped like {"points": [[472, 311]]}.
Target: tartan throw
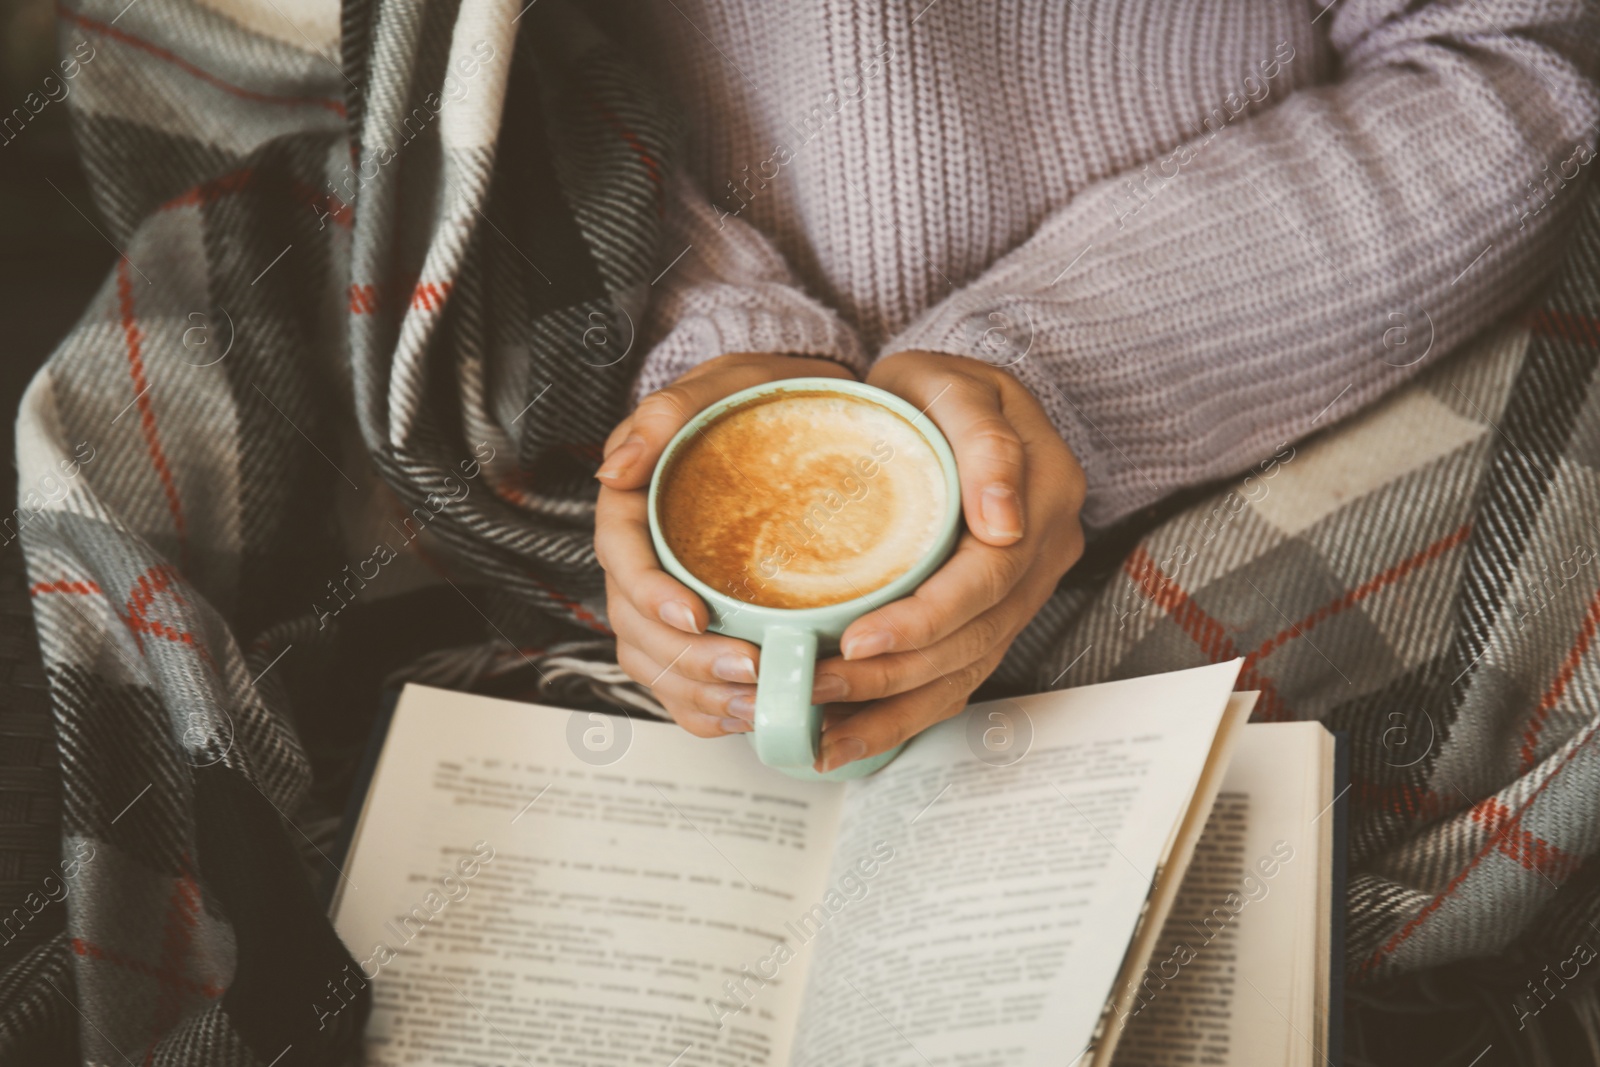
{"points": [[355, 339], [356, 332]]}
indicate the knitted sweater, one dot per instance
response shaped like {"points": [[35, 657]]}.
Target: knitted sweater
{"points": [[1194, 230]]}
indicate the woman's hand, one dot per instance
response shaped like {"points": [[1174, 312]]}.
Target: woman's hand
{"points": [[916, 661], [705, 681]]}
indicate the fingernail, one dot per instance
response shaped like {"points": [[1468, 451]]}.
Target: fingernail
{"points": [[844, 750], [829, 688], [677, 614], [733, 668], [735, 726], [1002, 513], [621, 458], [867, 644], [743, 706]]}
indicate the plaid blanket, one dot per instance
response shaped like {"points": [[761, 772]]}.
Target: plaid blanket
{"points": [[372, 319], [357, 344]]}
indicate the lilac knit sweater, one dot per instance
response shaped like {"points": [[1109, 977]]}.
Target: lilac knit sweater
{"points": [[1194, 230]]}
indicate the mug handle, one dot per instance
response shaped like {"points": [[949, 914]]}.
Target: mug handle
{"points": [[788, 727]]}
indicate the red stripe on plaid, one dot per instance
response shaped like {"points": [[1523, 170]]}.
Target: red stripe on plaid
{"points": [[1270, 706], [513, 493], [212, 189], [577, 610], [161, 578], [1164, 591], [1580, 329], [1534, 853], [1402, 935], [651, 167], [328, 204], [147, 415], [1365, 589], [92, 951], [363, 299], [1212, 637], [107, 30], [429, 296], [1412, 801], [1558, 686], [64, 586]]}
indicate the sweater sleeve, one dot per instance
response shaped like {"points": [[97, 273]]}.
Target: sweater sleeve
{"points": [[724, 287], [1181, 322]]}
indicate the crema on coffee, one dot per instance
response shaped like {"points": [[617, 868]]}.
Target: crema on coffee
{"points": [[800, 499]]}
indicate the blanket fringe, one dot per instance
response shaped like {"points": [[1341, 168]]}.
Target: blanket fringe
{"points": [[572, 673], [1586, 1009]]}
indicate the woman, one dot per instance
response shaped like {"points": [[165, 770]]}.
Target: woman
{"points": [[1114, 250]]}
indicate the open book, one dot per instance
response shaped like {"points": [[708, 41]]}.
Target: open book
{"points": [[529, 885]]}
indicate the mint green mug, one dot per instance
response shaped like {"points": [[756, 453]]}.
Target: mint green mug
{"points": [[788, 727]]}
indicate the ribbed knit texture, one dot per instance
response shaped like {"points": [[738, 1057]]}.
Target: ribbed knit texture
{"points": [[1194, 231]]}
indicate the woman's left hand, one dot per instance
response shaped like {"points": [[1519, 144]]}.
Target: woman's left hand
{"points": [[914, 662]]}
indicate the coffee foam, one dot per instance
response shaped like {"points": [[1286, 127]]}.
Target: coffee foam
{"points": [[800, 499]]}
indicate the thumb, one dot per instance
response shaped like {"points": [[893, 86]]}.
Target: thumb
{"points": [[989, 459], [630, 460]]}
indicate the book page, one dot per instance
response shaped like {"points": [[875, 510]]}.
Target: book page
{"points": [[514, 902], [1233, 979], [1324, 1024], [1183, 999], [1169, 880], [1016, 885]]}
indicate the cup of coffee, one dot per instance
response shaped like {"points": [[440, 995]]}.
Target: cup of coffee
{"points": [[792, 509]]}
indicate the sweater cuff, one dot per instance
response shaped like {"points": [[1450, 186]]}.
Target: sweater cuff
{"points": [[781, 324]]}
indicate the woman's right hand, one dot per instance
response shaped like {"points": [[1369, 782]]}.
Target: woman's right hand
{"points": [[705, 681]]}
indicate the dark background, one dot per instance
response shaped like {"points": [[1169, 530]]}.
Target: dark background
{"points": [[51, 258]]}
